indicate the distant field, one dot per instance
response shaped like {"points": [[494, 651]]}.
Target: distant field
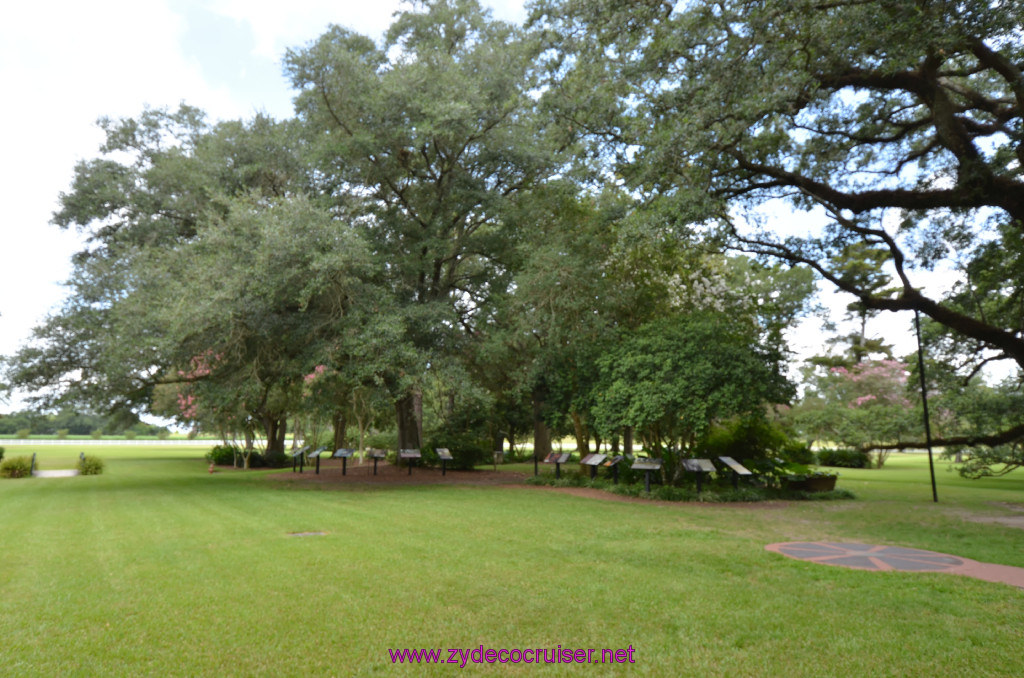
{"points": [[159, 568]]}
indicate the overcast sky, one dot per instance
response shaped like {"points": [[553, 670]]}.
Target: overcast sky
{"points": [[64, 64]]}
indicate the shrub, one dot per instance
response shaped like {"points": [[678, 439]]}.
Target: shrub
{"points": [[96, 434], [467, 450], [752, 438], [23, 433], [1, 454], [224, 455], [90, 465], [16, 467], [62, 434], [163, 434], [798, 452], [388, 440], [129, 434], [844, 458]]}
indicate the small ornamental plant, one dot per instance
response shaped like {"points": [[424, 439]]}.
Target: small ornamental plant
{"points": [[16, 467], [90, 466]]}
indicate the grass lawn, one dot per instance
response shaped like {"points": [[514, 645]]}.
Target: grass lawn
{"points": [[159, 568]]}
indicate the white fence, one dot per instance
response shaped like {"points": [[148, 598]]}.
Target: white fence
{"points": [[53, 441]]}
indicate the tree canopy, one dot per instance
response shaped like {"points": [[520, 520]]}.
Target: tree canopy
{"points": [[600, 223]]}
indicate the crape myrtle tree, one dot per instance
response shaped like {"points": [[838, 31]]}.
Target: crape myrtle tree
{"points": [[893, 126], [434, 128]]}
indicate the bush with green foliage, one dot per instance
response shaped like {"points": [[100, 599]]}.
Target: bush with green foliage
{"points": [[96, 434], [1, 454], [381, 440], [16, 467], [672, 493], [129, 434], [798, 452], [844, 458], [746, 438], [224, 455], [467, 450], [62, 434], [89, 465], [22, 433]]}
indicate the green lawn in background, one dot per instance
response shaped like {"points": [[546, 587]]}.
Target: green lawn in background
{"points": [[159, 568]]}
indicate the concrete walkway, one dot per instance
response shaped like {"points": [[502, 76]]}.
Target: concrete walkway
{"points": [[59, 473], [897, 558]]}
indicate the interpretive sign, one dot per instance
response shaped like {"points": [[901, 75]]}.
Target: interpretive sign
{"points": [[700, 467], [315, 454], [558, 458], [593, 461], [445, 455], [344, 453], [299, 458], [737, 469], [377, 455], [648, 466], [409, 454], [613, 463]]}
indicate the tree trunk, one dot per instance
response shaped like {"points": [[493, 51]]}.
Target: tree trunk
{"points": [[409, 417], [582, 437], [275, 427], [627, 440], [249, 443], [282, 432], [340, 423], [541, 432], [298, 432]]}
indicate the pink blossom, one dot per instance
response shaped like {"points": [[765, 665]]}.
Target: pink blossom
{"points": [[187, 406], [317, 371]]}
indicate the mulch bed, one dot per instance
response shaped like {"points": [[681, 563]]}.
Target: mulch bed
{"points": [[387, 474], [361, 476]]}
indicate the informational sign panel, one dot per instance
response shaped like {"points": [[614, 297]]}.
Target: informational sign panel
{"points": [[646, 464], [593, 459], [443, 453], [698, 465], [409, 454], [735, 466], [343, 452]]}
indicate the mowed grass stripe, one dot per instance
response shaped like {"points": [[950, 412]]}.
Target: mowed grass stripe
{"points": [[159, 567]]}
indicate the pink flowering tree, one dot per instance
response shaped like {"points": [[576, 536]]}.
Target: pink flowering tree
{"points": [[863, 406]]}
